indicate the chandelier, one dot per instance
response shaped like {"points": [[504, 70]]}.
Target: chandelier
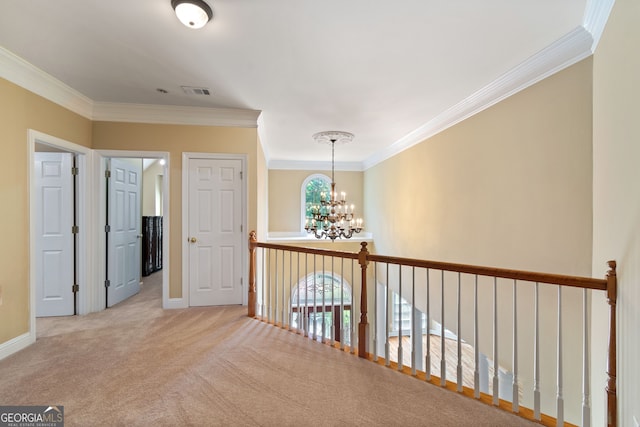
{"points": [[333, 218]]}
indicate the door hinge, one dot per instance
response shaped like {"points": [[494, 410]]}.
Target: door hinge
{"points": [[74, 171], [241, 228], [107, 228], [107, 283], [240, 174], [75, 229], [241, 281], [107, 173], [75, 288]]}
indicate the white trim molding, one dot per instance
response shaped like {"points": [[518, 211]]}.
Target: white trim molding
{"points": [[16, 344], [314, 166], [28, 76], [570, 49], [166, 114], [596, 16]]}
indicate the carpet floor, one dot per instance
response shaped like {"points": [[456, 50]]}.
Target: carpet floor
{"points": [[139, 365]]}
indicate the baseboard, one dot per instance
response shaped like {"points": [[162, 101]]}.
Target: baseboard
{"points": [[16, 344], [173, 303]]}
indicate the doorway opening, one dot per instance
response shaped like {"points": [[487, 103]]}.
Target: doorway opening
{"points": [[133, 247], [59, 228]]}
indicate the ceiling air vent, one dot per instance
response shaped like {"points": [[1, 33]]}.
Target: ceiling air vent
{"points": [[192, 90]]}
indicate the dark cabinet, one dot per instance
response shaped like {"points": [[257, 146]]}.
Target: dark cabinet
{"points": [[151, 244]]}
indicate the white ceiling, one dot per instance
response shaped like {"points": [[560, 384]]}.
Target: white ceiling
{"points": [[388, 72]]}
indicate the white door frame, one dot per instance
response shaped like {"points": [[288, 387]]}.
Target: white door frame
{"points": [[86, 237], [101, 191], [185, 218]]}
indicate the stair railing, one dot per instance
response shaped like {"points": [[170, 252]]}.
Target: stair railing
{"points": [[290, 291]]}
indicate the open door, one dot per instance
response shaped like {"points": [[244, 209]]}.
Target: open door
{"points": [[124, 182], [54, 234]]}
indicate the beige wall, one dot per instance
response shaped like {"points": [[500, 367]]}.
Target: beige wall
{"points": [[616, 199], [509, 187], [21, 110], [177, 139], [285, 203]]}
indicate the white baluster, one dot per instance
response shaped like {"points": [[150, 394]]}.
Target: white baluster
{"points": [[427, 358], [264, 275], [414, 335], [375, 311], [324, 289], [275, 313], [586, 383], [342, 328], [314, 323], [290, 305], [400, 350], [387, 355], [536, 359], [443, 346], [284, 305], [355, 308], [559, 397], [269, 287], [333, 312], [476, 343], [515, 404], [305, 314], [496, 391], [298, 290], [459, 333]]}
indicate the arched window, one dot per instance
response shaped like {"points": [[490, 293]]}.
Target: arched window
{"points": [[321, 305], [312, 188]]}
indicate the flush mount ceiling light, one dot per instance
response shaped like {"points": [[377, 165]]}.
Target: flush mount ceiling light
{"points": [[192, 13]]}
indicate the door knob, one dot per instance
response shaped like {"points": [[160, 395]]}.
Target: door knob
{"points": [[193, 240]]}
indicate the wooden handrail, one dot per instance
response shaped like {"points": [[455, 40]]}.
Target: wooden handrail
{"points": [[307, 250], [528, 276], [609, 284]]}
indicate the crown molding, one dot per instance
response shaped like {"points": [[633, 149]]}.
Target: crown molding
{"points": [[177, 115], [314, 166], [570, 49], [24, 74], [596, 16], [262, 138]]}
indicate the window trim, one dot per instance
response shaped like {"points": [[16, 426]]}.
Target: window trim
{"points": [[303, 196]]}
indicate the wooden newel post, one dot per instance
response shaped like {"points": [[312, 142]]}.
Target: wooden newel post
{"points": [[253, 243], [612, 397], [363, 326]]}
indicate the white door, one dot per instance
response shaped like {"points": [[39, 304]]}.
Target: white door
{"points": [[124, 229], [215, 231], [54, 237]]}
